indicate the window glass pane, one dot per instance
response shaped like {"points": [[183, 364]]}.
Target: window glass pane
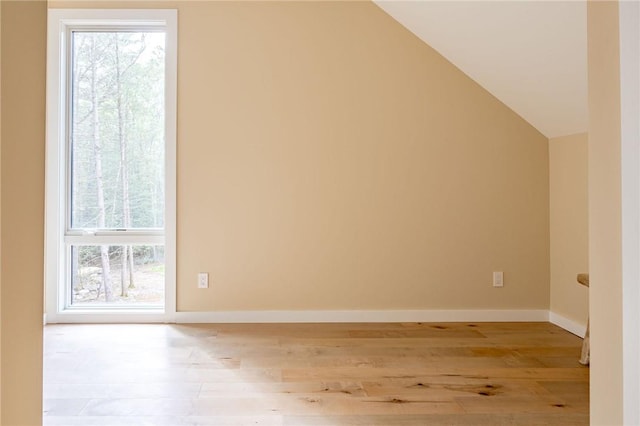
{"points": [[117, 275], [117, 130]]}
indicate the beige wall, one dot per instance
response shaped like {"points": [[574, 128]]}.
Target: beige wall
{"points": [[0, 216], [568, 194], [23, 93], [328, 159], [605, 261]]}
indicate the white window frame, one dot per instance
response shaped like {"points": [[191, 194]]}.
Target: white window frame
{"points": [[57, 235], [629, 33]]}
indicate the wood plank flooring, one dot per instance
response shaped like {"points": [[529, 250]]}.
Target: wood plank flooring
{"points": [[314, 374]]}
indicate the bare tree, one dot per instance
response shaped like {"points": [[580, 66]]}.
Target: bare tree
{"points": [[117, 156], [97, 149], [126, 211], [127, 260]]}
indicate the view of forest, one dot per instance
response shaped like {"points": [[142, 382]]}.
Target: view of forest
{"points": [[117, 162], [141, 284]]}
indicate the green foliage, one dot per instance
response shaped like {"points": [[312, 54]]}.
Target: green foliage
{"points": [[89, 256], [124, 72]]}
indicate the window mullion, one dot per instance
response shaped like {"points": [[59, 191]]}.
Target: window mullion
{"points": [[124, 239]]}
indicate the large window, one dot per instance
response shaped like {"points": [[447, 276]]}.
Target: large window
{"points": [[111, 165]]}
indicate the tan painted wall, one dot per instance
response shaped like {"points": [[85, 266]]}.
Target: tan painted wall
{"points": [[328, 159], [23, 115], [568, 193], [0, 217], [605, 257]]}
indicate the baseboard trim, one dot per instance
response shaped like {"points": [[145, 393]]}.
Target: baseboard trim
{"points": [[571, 326], [348, 316], [106, 317], [530, 315]]}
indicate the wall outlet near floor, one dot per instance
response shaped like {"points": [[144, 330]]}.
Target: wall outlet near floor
{"points": [[203, 280], [498, 279]]}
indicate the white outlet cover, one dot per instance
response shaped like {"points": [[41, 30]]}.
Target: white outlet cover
{"points": [[498, 279], [203, 280]]}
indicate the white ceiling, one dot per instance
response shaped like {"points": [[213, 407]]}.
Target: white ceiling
{"points": [[532, 55]]}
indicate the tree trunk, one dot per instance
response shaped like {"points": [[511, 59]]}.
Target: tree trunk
{"points": [[74, 271], [126, 207], [97, 149], [74, 250], [131, 282], [123, 272]]}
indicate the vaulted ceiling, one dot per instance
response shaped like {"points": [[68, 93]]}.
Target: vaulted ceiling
{"points": [[531, 54]]}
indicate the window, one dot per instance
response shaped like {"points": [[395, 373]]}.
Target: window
{"points": [[110, 208]]}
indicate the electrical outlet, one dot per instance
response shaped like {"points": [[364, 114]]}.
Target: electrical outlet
{"points": [[203, 280], [498, 279]]}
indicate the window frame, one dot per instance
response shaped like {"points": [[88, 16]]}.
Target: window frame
{"points": [[59, 235]]}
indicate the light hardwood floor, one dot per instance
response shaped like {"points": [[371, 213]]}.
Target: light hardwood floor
{"points": [[314, 374]]}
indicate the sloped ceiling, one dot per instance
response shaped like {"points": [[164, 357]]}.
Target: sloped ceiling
{"points": [[532, 55]]}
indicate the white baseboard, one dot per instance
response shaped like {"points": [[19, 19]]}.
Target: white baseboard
{"points": [[349, 316], [511, 315], [525, 315], [108, 317], [571, 326]]}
